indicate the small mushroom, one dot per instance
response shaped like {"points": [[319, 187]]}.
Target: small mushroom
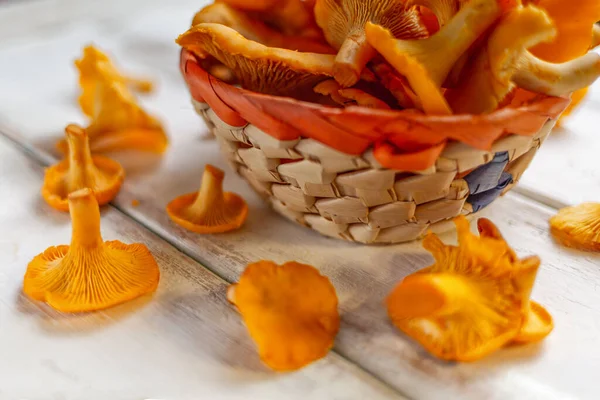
{"points": [[81, 170], [120, 123], [90, 274], [596, 36], [504, 61], [578, 226], [209, 210], [343, 23], [257, 67], [256, 30], [290, 311], [473, 300], [88, 78], [426, 63]]}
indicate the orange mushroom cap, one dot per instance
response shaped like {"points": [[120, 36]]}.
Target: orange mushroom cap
{"points": [[473, 300], [344, 26], [81, 170], [89, 75], [578, 226], [426, 63], [209, 210], [257, 67], [290, 311], [90, 274], [292, 17], [574, 23], [256, 30]]}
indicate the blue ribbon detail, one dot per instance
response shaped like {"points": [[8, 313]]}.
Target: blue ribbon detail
{"points": [[481, 200], [487, 176]]}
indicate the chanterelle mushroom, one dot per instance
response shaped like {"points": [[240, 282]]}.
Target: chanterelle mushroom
{"points": [[209, 210], [426, 63], [473, 300], [578, 226], [596, 37], [443, 10], [81, 170], [90, 274], [257, 67], [343, 23], [504, 59], [89, 75], [292, 17], [290, 311], [256, 30]]}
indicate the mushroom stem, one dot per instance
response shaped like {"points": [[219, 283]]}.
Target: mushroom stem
{"points": [[352, 58], [81, 165], [557, 79], [210, 196], [489, 78], [85, 216]]}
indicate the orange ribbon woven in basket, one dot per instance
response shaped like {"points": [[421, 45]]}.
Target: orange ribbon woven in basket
{"points": [[405, 140]]}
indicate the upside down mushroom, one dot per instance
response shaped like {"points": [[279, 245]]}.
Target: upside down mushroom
{"points": [[257, 67], [505, 61], [256, 30], [473, 300], [343, 24], [89, 75], [121, 123], [81, 170], [290, 311], [209, 210], [426, 63], [578, 226], [90, 274]]}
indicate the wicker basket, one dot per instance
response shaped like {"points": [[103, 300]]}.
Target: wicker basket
{"points": [[370, 176]]}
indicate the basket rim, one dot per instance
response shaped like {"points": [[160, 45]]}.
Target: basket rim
{"points": [[401, 139]]}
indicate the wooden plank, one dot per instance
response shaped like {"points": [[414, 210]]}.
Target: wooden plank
{"points": [[185, 342], [362, 275]]}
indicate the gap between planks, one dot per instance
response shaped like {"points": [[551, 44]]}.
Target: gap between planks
{"points": [[43, 159]]}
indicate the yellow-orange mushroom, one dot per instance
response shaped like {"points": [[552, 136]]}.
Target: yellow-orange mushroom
{"points": [[290, 311], [256, 30], [426, 63], [90, 274], [596, 36], [209, 210], [257, 67], [89, 76], [473, 300], [578, 226], [343, 24], [504, 62], [443, 10], [81, 170]]}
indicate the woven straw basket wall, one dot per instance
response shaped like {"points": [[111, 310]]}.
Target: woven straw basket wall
{"points": [[370, 176], [355, 198]]}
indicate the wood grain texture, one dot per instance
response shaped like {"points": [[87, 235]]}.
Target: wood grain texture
{"points": [[184, 342], [564, 366]]}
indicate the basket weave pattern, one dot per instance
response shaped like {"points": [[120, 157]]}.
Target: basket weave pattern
{"points": [[353, 197], [370, 176]]}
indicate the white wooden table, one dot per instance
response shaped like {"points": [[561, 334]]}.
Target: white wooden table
{"points": [[186, 342]]}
